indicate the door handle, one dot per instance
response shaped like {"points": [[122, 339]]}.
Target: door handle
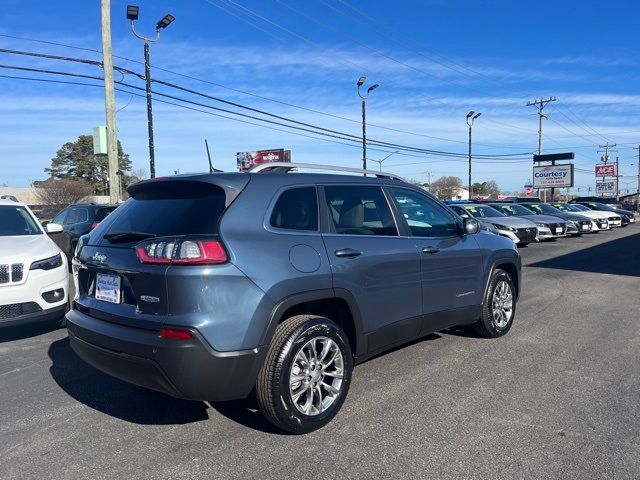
{"points": [[430, 250], [348, 253]]}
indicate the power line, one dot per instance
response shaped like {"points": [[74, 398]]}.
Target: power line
{"points": [[353, 145], [243, 92], [261, 112]]}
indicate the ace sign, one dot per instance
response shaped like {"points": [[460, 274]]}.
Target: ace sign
{"points": [[606, 170]]}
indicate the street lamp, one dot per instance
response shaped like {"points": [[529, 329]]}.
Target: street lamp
{"points": [[471, 116], [132, 15], [361, 81], [379, 162]]}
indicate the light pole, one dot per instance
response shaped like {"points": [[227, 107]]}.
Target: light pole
{"points": [[471, 116], [361, 81], [379, 162], [132, 16]]}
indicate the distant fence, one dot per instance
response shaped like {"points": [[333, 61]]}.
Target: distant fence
{"points": [[29, 196]]}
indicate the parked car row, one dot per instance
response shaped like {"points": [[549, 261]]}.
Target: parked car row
{"points": [[525, 220]]}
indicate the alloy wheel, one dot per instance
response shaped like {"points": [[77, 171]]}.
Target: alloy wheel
{"points": [[502, 306], [315, 381]]}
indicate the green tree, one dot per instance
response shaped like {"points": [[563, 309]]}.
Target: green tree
{"points": [[76, 161]]}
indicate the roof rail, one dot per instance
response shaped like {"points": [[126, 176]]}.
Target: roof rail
{"points": [[9, 197], [284, 167]]}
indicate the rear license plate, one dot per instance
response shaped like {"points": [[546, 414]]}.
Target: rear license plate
{"points": [[108, 288], [558, 230]]}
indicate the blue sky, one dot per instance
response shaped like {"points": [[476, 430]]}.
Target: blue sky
{"points": [[435, 61]]}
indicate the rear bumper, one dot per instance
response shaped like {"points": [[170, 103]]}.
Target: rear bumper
{"points": [[185, 369]]}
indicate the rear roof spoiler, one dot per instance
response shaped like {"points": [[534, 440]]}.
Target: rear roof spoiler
{"points": [[231, 183]]}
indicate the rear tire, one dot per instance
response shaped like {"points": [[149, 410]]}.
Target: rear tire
{"points": [[306, 375], [499, 308]]}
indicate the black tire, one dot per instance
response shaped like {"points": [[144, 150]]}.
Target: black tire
{"points": [[273, 385], [488, 326]]}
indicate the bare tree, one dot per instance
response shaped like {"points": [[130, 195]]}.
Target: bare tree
{"points": [[60, 193], [138, 174], [446, 188]]}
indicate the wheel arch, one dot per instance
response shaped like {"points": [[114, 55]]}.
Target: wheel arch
{"points": [[337, 304], [512, 271]]}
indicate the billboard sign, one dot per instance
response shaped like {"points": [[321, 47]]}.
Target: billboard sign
{"points": [[606, 170], [246, 160], [552, 157], [606, 188], [553, 176]]}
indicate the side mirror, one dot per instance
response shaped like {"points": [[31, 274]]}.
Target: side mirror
{"points": [[45, 223], [53, 228], [471, 226]]}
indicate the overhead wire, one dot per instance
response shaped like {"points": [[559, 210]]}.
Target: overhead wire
{"points": [[305, 125]]}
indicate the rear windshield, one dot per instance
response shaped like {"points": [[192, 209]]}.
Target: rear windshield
{"points": [[483, 211], [191, 215], [15, 221], [103, 212]]}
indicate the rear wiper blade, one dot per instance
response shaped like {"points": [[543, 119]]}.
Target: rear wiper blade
{"points": [[115, 236]]}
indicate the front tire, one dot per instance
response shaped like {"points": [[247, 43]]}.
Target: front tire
{"points": [[499, 307], [306, 375]]}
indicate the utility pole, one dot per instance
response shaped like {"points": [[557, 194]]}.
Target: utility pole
{"points": [[638, 187], [364, 97], [110, 102], [617, 178], [541, 104], [428, 180], [132, 15], [605, 158], [471, 116]]}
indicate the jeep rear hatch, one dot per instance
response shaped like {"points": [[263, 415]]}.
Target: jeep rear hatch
{"points": [[166, 222]]}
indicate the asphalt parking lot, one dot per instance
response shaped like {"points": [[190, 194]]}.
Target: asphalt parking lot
{"points": [[556, 398]]}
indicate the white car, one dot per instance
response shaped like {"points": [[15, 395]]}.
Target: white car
{"points": [[614, 219], [34, 276], [599, 219]]}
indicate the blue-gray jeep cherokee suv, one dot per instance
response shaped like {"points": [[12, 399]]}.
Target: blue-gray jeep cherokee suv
{"points": [[213, 286]]}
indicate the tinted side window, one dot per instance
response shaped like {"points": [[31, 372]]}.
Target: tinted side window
{"points": [[460, 211], [77, 215], [425, 217], [296, 209], [60, 217], [359, 210]]}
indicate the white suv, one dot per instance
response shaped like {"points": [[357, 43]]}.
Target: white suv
{"points": [[34, 277]]}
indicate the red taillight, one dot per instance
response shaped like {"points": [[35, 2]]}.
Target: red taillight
{"points": [[175, 334], [94, 225], [182, 252]]}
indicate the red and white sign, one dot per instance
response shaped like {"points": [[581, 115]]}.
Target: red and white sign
{"points": [[607, 170], [246, 160]]}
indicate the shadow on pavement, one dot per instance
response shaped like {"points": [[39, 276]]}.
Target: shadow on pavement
{"points": [[19, 332], [464, 331], [617, 257], [245, 412], [117, 398]]}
